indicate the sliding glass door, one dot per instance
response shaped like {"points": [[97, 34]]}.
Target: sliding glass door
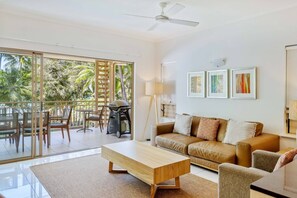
{"points": [[21, 82], [35, 86], [40, 117]]}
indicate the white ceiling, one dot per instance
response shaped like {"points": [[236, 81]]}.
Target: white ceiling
{"points": [[109, 14]]}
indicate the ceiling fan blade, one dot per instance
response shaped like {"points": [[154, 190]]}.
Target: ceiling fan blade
{"points": [[183, 22], [175, 9], [133, 15], [153, 27]]}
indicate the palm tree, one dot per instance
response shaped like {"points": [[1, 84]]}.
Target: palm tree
{"points": [[14, 77], [15, 61], [86, 77]]}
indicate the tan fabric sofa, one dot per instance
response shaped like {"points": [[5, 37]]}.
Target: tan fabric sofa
{"points": [[210, 154]]}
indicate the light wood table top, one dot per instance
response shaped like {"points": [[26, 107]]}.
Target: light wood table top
{"points": [[148, 163]]}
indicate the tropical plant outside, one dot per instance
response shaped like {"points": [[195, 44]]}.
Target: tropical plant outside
{"points": [[63, 79], [15, 78], [123, 82]]}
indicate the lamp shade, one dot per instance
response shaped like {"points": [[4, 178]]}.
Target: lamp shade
{"points": [[293, 110], [158, 88], [150, 88]]}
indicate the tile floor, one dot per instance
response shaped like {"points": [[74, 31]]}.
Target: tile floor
{"points": [[79, 141], [17, 180]]}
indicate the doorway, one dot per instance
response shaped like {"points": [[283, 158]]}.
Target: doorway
{"points": [[52, 83], [20, 96]]}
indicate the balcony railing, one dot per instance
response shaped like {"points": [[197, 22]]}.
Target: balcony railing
{"points": [[55, 108]]}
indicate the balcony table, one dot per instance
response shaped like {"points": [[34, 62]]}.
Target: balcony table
{"points": [[84, 111]]}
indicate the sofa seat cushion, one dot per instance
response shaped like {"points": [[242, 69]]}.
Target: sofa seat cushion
{"points": [[213, 151], [176, 142]]}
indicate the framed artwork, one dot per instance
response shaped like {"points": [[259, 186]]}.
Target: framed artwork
{"points": [[243, 83], [196, 84], [217, 84]]}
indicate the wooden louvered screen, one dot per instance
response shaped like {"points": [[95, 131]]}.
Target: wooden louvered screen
{"points": [[103, 86]]}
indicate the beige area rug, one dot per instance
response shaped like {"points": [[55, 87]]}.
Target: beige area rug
{"points": [[89, 177]]}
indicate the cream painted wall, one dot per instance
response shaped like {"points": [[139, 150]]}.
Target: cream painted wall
{"points": [[254, 42], [47, 36]]}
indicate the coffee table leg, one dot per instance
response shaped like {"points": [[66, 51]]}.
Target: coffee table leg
{"points": [[154, 187], [111, 170], [176, 186], [110, 167], [153, 190], [177, 182]]}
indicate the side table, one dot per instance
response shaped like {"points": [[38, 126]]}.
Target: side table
{"points": [[84, 111]]}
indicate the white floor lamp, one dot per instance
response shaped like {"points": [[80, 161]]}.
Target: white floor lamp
{"points": [[152, 89]]}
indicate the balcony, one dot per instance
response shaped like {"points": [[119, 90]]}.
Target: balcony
{"points": [[79, 140]]}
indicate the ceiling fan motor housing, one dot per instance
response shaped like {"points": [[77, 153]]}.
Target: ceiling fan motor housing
{"points": [[162, 18]]}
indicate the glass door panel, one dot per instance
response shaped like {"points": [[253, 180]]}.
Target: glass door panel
{"points": [[40, 118], [15, 101]]}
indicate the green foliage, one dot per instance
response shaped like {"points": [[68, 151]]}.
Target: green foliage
{"points": [[86, 79], [68, 80], [123, 82], [63, 79], [15, 77], [56, 81]]}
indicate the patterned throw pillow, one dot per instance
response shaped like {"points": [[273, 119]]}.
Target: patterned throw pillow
{"points": [[208, 129], [285, 158], [183, 124]]}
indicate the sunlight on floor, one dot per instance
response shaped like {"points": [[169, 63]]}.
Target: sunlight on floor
{"points": [[79, 141], [17, 179]]}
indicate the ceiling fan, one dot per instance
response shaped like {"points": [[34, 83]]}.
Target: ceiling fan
{"points": [[163, 18]]}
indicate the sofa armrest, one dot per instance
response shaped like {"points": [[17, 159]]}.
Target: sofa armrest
{"points": [[234, 180], [160, 129], [164, 128], [265, 160], [244, 148]]}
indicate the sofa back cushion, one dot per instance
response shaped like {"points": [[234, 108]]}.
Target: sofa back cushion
{"points": [[259, 128], [222, 129], [195, 125]]}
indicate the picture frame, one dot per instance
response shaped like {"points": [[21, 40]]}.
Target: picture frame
{"points": [[217, 84], [196, 84], [244, 83]]}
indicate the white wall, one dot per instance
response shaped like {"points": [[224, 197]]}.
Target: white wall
{"points": [[291, 74], [254, 42], [29, 33]]}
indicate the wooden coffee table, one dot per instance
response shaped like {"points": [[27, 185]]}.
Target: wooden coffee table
{"points": [[148, 163]]}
